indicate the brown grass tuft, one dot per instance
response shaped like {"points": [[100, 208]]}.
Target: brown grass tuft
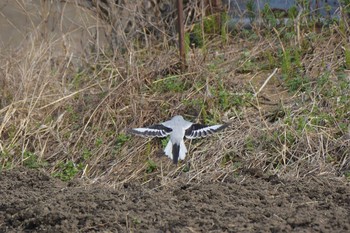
{"points": [[71, 121]]}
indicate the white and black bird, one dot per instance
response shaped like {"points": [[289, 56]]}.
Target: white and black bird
{"points": [[177, 128]]}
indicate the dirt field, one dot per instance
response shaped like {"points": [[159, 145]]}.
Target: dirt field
{"points": [[31, 201], [76, 76]]}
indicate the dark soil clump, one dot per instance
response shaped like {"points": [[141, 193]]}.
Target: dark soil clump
{"points": [[31, 201]]}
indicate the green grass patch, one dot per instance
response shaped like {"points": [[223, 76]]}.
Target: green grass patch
{"points": [[67, 170]]}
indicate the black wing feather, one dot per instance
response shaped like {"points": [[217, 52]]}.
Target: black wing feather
{"points": [[200, 130], [157, 130]]}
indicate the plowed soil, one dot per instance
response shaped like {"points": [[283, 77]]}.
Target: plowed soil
{"points": [[31, 201]]}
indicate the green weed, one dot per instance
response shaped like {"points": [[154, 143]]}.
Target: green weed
{"points": [[224, 99], [269, 60], [249, 63], [249, 144], [67, 170], [73, 115], [206, 29], [6, 160], [86, 154], [121, 140], [251, 8], [136, 221], [298, 83], [224, 28], [293, 12], [347, 175], [99, 142], [188, 44], [345, 6], [347, 58], [269, 17], [186, 168], [228, 157], [151, 166], [164, 141], [195, 105], [32, 161], [170, 83]]}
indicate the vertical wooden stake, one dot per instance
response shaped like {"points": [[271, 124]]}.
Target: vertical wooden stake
{"points": [[180, 23], [217, 11]]}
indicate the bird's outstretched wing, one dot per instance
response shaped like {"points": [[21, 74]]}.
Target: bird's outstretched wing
{"points": [[200, 131], [157, 130]]}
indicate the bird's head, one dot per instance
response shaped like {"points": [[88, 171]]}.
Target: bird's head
{"points": [[178, 117]]}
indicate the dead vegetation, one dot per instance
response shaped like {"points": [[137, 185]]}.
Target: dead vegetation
{"points": [[72, 121]]}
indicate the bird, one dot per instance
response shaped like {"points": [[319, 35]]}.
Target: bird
{"points": [[178, 128]]}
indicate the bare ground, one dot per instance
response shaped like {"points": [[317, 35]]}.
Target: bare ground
{"points": [[31, 201]]}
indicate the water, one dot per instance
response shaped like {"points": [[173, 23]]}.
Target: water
{"points": [[238, 9]]}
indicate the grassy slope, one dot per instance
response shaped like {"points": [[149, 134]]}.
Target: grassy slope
{"points": [[73, 124]]}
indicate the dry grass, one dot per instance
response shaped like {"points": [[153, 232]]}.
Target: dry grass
{"points": [[72, 123]]}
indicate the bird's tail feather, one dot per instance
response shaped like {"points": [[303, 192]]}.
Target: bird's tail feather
{"points": [[175, 151], [183, 150], [169, 150]]}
